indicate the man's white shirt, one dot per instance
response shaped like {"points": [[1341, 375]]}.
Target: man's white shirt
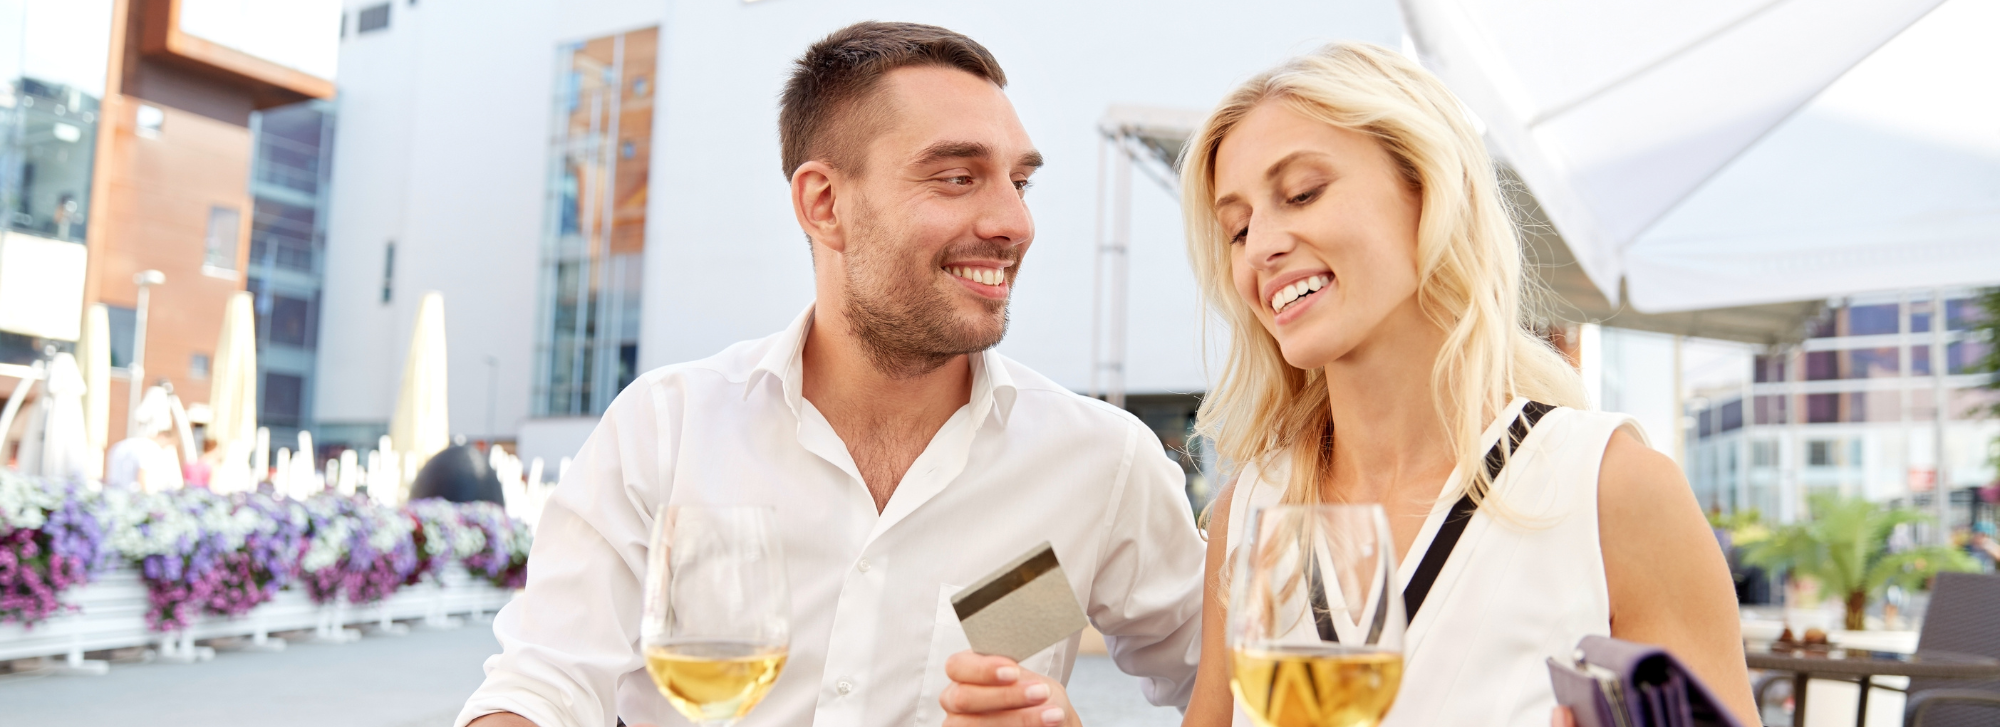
{"points": [[1022, 462]]}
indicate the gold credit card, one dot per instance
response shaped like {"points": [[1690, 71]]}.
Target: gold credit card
{"points": [[1022, 608]]}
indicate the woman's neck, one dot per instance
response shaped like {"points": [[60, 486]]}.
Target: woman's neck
{"points": [[1389, 444]]}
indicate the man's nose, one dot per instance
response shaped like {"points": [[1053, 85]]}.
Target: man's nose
{"points": [[1004, 217]]}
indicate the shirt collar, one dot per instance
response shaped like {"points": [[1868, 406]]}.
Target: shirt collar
{"points": [[785, 359]]}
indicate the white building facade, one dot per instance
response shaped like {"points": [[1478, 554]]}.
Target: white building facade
{"points": [[449, 177]]}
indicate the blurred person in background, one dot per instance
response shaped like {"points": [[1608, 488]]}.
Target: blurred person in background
{"points": [[903, 458], [1345, 220], [198, 472], [147, 461]]}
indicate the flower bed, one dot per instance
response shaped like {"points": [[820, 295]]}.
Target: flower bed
{"points": [[199, 552]]}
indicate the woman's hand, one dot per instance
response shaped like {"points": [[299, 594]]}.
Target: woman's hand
{"points": [[1562, 718], [993, 691]]}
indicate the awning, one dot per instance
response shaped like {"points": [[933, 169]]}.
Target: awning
{"points": [[1708, 154]]}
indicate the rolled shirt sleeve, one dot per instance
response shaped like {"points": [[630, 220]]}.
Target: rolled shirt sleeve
{"points": [[573, 632]]}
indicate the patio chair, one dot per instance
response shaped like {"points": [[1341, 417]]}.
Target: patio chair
{"points": [[1964, 617]]}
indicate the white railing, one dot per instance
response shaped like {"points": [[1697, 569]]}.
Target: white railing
{"points": [[112, 615]]}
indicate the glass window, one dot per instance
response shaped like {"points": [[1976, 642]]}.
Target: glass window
{"points": [[1874, 363], [1920, 316], [1732, 416], [1961, 313], [284, 399], [198, 366], [1822, 408], [124, 323], [225, 224], [1965, 357], [1764, 453], [372, 18], [1770, 409], [388, 270], [1871, 320], [1819, 453], [586, 349], [292, 321], [1920, 360], [1822, 365], [1824, 325], [282, 234], [1768, 368]]}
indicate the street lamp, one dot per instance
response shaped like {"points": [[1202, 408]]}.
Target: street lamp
{"points": [[137, 368]]}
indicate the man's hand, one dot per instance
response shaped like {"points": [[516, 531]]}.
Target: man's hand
{"points": [[993, 691]]}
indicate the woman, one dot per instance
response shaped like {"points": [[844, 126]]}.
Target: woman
{"points": [[1344, 218]]}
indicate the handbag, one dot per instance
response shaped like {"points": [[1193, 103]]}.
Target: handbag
{"points": [[1617, 683]]}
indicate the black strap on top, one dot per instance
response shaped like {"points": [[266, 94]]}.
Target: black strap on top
{"points": [[1448, 532]]}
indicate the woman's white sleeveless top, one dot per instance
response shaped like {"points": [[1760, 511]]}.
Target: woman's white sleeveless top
{"points": [[1512, 593]]}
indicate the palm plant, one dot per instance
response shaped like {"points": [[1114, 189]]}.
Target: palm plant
{"points": [[1845, 547]]}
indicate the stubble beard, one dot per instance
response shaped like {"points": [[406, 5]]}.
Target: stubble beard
{"points": [[905, 323]]}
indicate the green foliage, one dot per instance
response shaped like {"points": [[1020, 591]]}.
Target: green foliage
{"points": [[1986, 329], [1744, 526], [1845, 547]]}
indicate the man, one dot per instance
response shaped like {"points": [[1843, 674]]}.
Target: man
{"points": [[904, 459]]}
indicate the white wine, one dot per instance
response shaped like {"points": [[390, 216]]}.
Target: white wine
{"points": [[1315, 686], [711, 681]]}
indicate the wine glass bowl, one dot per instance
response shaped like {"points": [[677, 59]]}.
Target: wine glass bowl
{"points": [[1315, 624], [716, 624]]}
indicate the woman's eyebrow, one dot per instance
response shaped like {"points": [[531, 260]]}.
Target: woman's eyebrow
{"points": [[1278, 168]]}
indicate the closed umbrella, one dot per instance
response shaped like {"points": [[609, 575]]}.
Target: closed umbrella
{"points": [[232, 395], [65, 452], [93, 354], [422, 426]]}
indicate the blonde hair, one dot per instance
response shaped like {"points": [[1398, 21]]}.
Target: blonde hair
{"points": [[1469, 268]]}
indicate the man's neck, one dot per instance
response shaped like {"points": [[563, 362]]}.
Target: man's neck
{"points": [[885, 420]]}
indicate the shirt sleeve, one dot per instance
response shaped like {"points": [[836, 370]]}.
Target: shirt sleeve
{"points": [[1146, 598], [573, 631]]}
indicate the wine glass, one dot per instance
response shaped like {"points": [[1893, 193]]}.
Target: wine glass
{"points": [[1315, 623], [716, 627]]}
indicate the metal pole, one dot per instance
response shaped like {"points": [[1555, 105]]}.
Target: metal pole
{"points": [[1097, 275], [1940, 485], [137, 368], [1121, 244], [492, 393]]}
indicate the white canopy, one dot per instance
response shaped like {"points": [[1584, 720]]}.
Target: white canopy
{"points": [[1714, 153], [422, 425]]}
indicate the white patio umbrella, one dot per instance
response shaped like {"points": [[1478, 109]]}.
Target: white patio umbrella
{"points": [[1716, 153], [59, 446], [422, 425], [93, 354], [232, 395]]}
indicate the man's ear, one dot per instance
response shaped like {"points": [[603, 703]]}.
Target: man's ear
{"points": [[813, 203]]}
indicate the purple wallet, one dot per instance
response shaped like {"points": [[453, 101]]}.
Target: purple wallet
{"points": [[1622, 684]]}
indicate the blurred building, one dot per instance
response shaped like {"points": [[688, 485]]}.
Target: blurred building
{"points": [[288, 189], [594, 187], [126, 145], [1855, 410]]}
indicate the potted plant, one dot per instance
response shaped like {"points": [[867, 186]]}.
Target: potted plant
{"points": [[1845, 547]]}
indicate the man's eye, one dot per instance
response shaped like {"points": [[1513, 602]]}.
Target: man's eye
{"points": [[961, 180], [1023, 185]]}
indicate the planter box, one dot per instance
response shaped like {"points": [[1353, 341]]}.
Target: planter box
{"points": [[112, 614]]}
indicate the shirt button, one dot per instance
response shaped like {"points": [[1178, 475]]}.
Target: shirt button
{"points": [[843, 687], [863, 567]]}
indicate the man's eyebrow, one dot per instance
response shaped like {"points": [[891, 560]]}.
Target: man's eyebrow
{"points": [[1031, 160], [951, 150]]}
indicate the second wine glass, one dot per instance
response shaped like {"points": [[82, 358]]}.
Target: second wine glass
{"points": [[716, 627], [1315, 622]]}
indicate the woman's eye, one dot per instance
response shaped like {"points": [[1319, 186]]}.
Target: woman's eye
{"points": [[1239, 236], [1303, 197]]}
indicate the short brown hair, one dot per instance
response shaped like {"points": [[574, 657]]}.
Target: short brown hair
{"points": [[843, 68]]}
